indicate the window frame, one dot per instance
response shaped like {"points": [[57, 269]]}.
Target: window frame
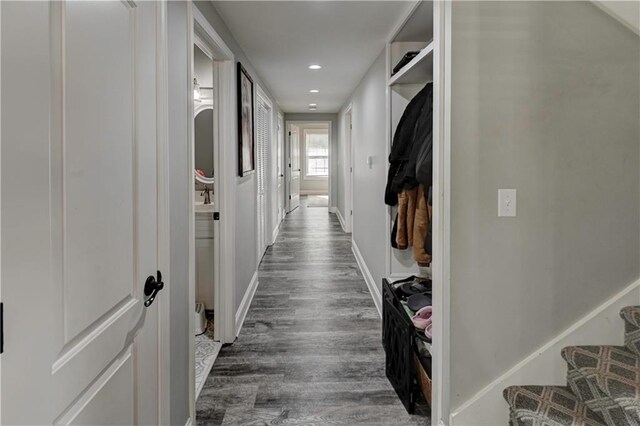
{"points": [[305, 168]]}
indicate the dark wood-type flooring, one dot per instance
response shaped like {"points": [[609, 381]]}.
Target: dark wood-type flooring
{"points": [[310, 351]]}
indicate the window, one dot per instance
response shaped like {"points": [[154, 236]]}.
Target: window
{"points": [[317, 153]]}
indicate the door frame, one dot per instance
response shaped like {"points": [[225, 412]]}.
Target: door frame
{"points": [[441, 406], [224, 194], [288, 123], [281, 166], [266, 235], [164, 213], [347, 128]]}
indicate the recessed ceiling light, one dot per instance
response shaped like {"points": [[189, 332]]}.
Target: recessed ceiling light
{"points": [[314, 91], [313, 105], [314, 67]]}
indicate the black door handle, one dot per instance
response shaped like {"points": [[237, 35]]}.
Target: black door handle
{"points": [[151, 288]]}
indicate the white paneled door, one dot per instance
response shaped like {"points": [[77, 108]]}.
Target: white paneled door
{"points": [[79, 199], [263, 141], [294, 166]]}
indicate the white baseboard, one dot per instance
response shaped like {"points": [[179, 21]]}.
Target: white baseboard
{"points": [[341, 220], [275, 233], [189, 422], [368, 278], [246, 302], [545, 366]]}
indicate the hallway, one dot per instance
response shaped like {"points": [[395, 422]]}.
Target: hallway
{"points": [[309, 351]]}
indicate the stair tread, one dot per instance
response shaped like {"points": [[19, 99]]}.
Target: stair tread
{"points": [[631, 314], [607, 379], [548, 406], [616, 369]]}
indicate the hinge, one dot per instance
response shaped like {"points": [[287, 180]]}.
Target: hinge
{"points": [[351, 212], [216, 215], [351, 126], [1, 328], [350, 169], [289, 133]]}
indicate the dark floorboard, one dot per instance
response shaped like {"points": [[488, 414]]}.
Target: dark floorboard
{"points": [[310, 350]]}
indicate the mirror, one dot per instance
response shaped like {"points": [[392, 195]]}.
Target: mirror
{"points": [[203, 135]]}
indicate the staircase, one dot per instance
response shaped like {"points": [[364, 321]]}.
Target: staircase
{"points": [[603, 386]]}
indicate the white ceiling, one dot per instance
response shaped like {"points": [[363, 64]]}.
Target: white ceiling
{"points": [[282, 38]]}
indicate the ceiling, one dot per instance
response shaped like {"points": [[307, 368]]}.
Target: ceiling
{"points": [[282, 38]]}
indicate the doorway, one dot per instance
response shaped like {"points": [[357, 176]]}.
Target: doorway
{"points": [[212, 200], [309, 164]]}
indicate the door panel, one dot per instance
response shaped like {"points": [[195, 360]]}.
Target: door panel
{"points": [[295, 167], [93, 255], [79, 212]]}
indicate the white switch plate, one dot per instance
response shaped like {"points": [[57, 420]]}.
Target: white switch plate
{"points": [[506, 202]]}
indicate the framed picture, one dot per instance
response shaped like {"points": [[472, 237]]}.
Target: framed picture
{"points": [[246, 135]]}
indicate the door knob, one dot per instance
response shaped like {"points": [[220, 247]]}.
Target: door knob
{"points": [[151, 288]]}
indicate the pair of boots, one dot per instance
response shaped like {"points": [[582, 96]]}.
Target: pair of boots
{"points": [[414, 214]]}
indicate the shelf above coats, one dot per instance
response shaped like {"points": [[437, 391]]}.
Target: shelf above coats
{"points": [[418, 71]]}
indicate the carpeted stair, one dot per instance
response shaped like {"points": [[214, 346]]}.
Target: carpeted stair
{"points": [[603, 386]]}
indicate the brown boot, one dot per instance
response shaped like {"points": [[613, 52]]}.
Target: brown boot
{"points": [[420, 228]]}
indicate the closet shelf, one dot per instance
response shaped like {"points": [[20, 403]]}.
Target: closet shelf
{"points": [[418, 71]]}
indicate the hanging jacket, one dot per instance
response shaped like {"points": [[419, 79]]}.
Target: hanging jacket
{"points": [[403, 150], [423, 138]]}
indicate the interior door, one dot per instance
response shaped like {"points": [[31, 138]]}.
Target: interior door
{"points": [[280, 178], [262, 140], [79, 212], [294, 164]]}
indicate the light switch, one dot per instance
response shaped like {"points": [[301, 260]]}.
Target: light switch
{"points": [[506, 202]]}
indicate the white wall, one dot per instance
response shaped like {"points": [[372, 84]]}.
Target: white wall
{"points": [[246, 226], [369, 138], [545, 99]]}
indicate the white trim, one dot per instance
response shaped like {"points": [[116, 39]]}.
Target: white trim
{"points": [[341, 220], [333, 209], [368, 278], [274, 234], [164, 214], [440, 266], [189, 422], [347, 128], [544, 365], [246, 302]]}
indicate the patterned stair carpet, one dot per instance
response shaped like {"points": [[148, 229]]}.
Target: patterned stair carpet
{"points": [[310, 350], [603, 386]]}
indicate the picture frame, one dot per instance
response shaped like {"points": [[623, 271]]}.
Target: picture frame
{"points": [[246, 131]]}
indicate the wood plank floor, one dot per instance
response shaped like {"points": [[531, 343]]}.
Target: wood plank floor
{"points": [[310, 350]]}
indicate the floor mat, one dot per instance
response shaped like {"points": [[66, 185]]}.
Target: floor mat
{"points": [[206, 351], [317, 201]]}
